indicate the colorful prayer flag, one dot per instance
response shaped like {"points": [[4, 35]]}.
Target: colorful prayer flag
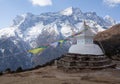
{"points": [[55, 44]]}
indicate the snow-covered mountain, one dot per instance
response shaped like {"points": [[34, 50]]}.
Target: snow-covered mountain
{"points": [[62, 24], [109, 20], [29, 30]]}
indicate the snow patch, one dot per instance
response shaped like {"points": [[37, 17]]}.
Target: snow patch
{"points": [[67, 11], [7, 32], [66, 30]]}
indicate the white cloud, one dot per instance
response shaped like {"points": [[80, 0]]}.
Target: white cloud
{"points": [[41, 2], [112, 3]]}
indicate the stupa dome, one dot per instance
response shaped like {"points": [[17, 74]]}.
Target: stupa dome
{"points": [[88, 49], [85, 43]]}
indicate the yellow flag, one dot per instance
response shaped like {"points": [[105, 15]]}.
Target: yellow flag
{"points": [[36, 50], [61, 41]]}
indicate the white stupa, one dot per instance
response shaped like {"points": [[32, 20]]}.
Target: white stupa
{"points": [[85, 54], [85, 43]]}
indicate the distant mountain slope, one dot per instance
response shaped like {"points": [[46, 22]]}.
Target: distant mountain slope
{"points": [[13, 54]]}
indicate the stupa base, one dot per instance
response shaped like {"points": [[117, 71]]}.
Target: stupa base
{"points": [[77, 62]]}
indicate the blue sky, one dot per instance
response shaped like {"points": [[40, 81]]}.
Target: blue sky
{"points": [[10, 8]]}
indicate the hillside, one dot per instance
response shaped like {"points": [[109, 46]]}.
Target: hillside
{"points": [[51, 75], [110, 39]]}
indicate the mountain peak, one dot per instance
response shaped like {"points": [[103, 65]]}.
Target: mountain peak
{"points": [[67, 11], [90, 14], [70, 10], [19, 18], [27, 14], [109, 19]]}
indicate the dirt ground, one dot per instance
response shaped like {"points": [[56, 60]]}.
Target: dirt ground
{"points": [[51, 75]]}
